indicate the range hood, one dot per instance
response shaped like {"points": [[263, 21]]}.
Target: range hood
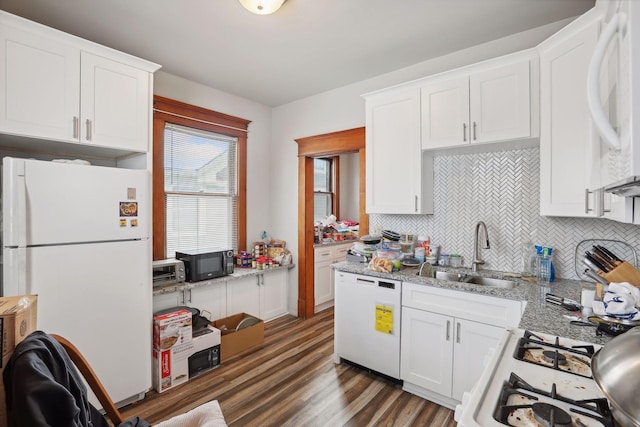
{"points": [[628, 187]]}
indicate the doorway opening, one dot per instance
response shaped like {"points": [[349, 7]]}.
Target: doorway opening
{"points": [[309, 148]]}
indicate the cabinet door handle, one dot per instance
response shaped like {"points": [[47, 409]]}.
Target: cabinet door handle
{"points": [[76, 127], [586, 201], [474, 131], [415, 202], [458, 332], [88, 130], [448, 329], [464, 132]]}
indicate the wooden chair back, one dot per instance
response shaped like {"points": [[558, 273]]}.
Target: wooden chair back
{"points": [[92, 379]]}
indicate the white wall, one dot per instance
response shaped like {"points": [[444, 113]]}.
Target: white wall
{"points": [[258, 142]]}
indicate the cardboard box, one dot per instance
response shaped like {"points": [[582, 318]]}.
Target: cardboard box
{"points": [[235, 342], [171, 366], [172, 329], [18, 317]]}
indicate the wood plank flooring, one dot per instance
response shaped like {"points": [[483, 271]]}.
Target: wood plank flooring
{"points": [[291, 380]]}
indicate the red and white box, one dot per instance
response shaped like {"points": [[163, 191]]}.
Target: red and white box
{"points": [[172, 329], [171, 366]]}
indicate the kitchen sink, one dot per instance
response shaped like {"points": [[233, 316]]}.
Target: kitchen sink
{"points": [[445, 275], [490, 281], [476, 280]]}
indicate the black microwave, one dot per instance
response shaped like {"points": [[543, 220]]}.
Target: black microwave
{"points": [[204, 264]]}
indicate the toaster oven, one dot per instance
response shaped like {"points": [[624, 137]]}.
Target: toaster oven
{"points": [[168, 271]]}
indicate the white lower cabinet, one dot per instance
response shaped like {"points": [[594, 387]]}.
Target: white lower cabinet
{"points": [[168, 300], [243, 296], [273, 294], [323, 277], [210, 300], [445, 338], [263, 295]]}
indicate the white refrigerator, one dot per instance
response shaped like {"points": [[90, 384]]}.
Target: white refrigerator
{"points": [[78, 237]]}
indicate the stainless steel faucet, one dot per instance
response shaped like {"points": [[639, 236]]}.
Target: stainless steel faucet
{"points": [[477, 260]]}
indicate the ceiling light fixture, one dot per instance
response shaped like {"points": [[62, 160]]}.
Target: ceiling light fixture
{"points": [[262, 7]]}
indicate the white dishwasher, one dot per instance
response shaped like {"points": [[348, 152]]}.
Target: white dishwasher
{"points": [[367, 322]]}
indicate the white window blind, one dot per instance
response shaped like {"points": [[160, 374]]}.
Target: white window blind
{"points": [[201, 189], [322, 189]]}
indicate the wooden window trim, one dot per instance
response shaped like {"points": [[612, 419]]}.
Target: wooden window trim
{"points": [[167, 110]]}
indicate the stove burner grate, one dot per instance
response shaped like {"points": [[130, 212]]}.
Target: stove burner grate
{"points": [[550, 416], [555, 355], [596, 409]]}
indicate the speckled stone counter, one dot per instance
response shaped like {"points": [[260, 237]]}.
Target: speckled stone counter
{"points": [[238, 273], [326, 243], [538, 315]]}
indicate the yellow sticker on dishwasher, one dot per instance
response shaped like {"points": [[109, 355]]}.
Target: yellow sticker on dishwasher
{"points": [[384, 319]]}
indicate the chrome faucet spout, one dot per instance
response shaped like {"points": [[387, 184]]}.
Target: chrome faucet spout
{"points": [[477, 259]]}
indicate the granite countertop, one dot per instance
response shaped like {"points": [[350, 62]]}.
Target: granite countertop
{"points": [[238, 273], [538, 316], [334, 243]]}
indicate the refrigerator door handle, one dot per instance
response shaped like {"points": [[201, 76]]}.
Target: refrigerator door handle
{"points": [[14, 203], [14, 279]]}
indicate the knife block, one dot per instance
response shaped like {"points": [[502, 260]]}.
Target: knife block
{"points": [[624, 272]]}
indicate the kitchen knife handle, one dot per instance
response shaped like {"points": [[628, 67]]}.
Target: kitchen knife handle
{"points": [[610, 254]]}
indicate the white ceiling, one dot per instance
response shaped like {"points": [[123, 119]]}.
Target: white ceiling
{"points": [[305, 48]]}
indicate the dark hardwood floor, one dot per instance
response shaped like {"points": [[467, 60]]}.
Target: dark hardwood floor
{"points": [[291, 380]]}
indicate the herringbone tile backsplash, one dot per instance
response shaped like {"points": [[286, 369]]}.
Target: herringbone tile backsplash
{"points": [[503, 190]]}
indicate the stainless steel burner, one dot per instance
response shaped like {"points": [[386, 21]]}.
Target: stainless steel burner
{"points": [[550, 416], [553, 355]]}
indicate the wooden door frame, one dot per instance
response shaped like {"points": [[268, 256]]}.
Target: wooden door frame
{"points": [[330, 144]]}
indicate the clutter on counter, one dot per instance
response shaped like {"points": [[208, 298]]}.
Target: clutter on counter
{"points": [[329, 229], [264, 255]]}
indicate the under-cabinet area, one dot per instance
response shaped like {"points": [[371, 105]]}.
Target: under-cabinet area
{"points": [[261, 294]]}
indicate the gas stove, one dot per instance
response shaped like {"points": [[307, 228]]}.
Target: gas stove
{"points": [[535, 379]]}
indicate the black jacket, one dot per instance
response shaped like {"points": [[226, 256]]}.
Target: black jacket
{"points": [[43, 388]]}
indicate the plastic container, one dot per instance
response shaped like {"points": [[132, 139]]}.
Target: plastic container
{"points": [[456, 260], [419, 253], [444, 260], [406, 246]]}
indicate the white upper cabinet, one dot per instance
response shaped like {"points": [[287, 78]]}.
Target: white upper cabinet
{"points": [[114, 104], [61, 88], [566, 149], [40, 81], [398, 180], [489, 103], [445, 113]]}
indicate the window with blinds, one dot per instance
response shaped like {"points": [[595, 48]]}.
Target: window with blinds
{"points": [[201, 189], [322, 189]]}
